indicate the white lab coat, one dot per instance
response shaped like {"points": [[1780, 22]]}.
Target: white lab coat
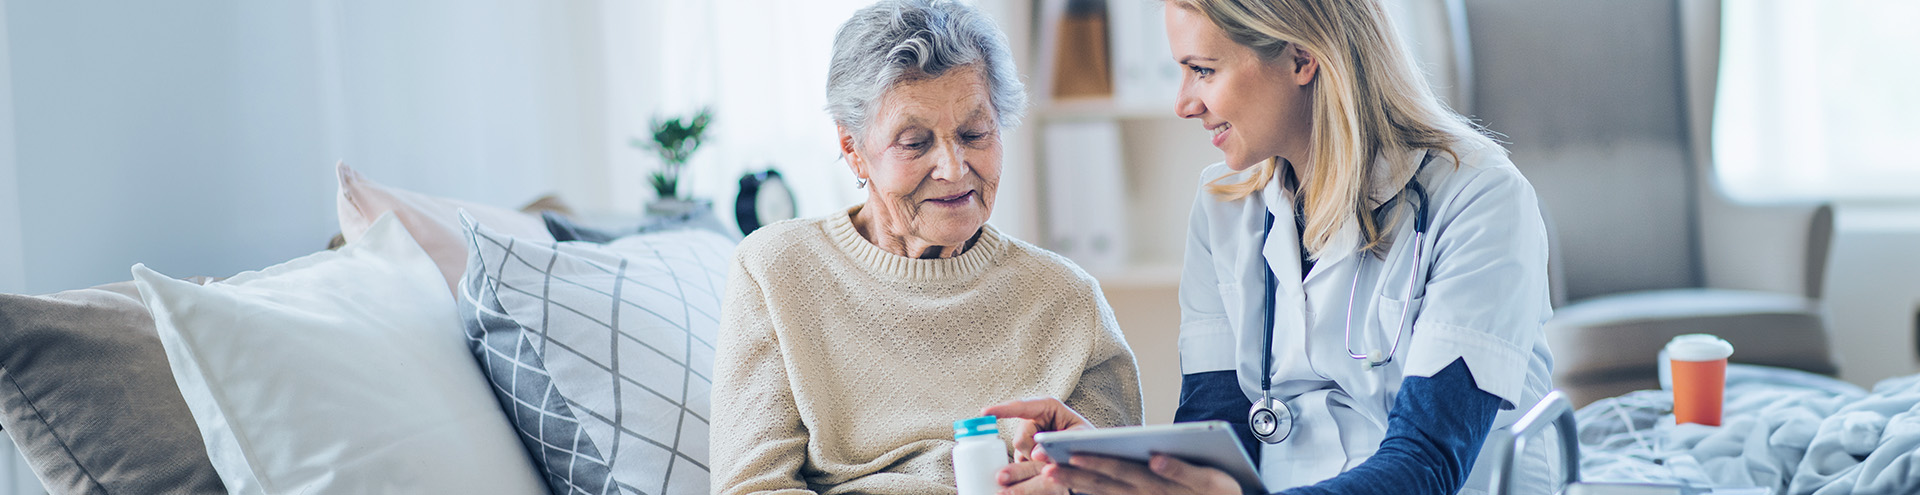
{"points": [[1484, 299]]}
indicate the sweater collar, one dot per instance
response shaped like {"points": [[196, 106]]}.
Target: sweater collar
{"points": [[977, 259]]}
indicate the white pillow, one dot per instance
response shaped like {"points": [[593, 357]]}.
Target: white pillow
{"points": [[338, 372]]}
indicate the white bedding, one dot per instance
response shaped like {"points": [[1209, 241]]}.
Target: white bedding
{"points": [[1790, 432]]}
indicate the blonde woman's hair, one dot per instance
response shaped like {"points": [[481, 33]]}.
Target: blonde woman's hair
{"points": [[1369, 98]]}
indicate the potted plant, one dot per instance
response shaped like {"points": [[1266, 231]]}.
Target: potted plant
{"points": [[674, 140]]}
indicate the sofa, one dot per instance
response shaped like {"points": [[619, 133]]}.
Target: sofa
{"points": [[442, 347]]}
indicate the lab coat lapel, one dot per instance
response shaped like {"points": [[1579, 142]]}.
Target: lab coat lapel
{"points": [[1282, 252], [1391, 171], [1282, 249]]}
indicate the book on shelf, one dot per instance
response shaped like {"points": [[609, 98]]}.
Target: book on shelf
{"points": [[1105, 54], [1081, 66], [1085, 201], [1144, 73]]}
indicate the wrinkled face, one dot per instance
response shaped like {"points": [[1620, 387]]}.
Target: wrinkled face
{"points": [[932, 154], [1256, 108]]}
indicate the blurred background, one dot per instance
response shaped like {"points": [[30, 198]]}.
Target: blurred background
{"points": [[1686, 150]]}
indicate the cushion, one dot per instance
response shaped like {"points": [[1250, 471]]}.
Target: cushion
{"points": [[339, 372], [602, 354], [86, 395], [434, 221]]}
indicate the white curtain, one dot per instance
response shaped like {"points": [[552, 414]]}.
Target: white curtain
{"points": [[761, 65], [1816, 101]]}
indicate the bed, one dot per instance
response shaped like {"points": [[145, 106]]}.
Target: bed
{"points": [[1784, 432]]}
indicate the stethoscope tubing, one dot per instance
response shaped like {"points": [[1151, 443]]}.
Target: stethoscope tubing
{"points": [[1275, 417], [1371, 361]]}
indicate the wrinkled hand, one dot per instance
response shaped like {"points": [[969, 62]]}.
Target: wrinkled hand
{"points": [[1023, 478], [1162, 475], [1035, 416]]}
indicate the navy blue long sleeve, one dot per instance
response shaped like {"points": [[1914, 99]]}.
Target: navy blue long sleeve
{"points": [[1215, 395], [1434, 433]]}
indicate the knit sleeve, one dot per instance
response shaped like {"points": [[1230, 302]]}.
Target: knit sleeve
{"points": [[758, 441], [1108, 393]]}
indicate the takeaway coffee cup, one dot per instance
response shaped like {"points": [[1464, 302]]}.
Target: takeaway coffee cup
{"points": [[1698, 367]]}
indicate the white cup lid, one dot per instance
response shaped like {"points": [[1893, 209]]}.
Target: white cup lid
{"points": [[1698, 347]]}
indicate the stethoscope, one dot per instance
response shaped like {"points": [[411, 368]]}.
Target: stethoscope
{"points": [[1271, 419]]}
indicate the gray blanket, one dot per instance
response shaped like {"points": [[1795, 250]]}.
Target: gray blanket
{"points": [[1785, 431]]}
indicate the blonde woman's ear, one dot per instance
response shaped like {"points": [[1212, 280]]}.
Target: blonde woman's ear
{"points": [[1305, 65]]}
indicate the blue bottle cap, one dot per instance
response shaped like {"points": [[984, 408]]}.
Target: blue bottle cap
{"points": [[984, 425]]}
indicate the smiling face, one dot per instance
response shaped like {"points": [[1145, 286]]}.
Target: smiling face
{"points": [[1256, 108], [932, 156]]}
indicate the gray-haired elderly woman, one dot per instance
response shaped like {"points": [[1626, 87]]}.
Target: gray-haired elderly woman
{"points": [[851, 343]]}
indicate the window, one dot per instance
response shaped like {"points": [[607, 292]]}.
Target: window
{"points": [[1816, 101]]}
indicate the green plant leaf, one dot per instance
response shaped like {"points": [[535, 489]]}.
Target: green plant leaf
{"points": [[665, 186]]}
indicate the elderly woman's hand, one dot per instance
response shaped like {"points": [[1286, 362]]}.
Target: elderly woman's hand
{"points": [[1034, 416]]}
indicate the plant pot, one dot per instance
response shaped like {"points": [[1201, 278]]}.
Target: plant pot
{"points": [[677, 207]]}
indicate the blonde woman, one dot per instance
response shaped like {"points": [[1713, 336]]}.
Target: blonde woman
{"points": [[1365, 277]]}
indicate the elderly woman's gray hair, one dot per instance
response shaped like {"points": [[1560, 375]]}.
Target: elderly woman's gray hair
{"points": [[896, 41]]}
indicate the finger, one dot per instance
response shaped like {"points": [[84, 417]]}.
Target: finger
{"points": [[1018, 472], [1039, 409], [1038, 485], [1084, 481], [1128, 472], [1040, 455], [1199, 479], [1172, 469], [1023, 431], [1050, 413]]}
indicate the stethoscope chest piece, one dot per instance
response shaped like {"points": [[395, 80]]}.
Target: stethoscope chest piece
{"points": [[1272, 420]]}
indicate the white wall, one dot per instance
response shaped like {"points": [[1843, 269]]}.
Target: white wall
{"points": [[489, 101], [12, 264], [15, 477], [199, 137], [1873, 291]]}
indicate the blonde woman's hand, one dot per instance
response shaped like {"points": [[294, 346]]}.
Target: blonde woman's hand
{"points": [[1035, 416], [1023, 478], [1162, 475]]}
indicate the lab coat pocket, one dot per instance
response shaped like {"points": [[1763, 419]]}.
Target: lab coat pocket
{"points": [[1393, 324]]}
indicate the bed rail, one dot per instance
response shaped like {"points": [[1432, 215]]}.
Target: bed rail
{"points": [[1556, 411]]}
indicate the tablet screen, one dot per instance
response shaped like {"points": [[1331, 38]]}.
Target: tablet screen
{"points": [[1205, 443]]}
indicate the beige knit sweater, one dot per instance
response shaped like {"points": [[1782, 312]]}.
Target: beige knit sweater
{"points": [[841, 367]]}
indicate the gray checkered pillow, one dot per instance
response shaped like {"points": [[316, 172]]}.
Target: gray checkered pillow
{"points": [[602, 355]]}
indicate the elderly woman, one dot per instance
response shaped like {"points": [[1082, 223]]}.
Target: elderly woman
{"points": [[851, 342]]}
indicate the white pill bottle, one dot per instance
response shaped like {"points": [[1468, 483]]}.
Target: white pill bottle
{"points": [[978, 455]]}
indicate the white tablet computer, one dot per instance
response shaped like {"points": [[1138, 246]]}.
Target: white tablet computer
{"points": [[1205, 443]]}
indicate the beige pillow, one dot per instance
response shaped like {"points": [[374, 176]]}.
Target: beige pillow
{"points": [[434, 221], [89, 399]]}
